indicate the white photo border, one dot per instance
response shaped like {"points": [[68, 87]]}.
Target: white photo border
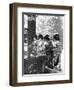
{"points": [[45, 77]]}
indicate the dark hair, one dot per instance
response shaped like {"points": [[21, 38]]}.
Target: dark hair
{"points": [[46, 37], [35, 36], [41, 36], [56, 37]]}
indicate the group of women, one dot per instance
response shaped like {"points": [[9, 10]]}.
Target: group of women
{"points": [[46, 51]]}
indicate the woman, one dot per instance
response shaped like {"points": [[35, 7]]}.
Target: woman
{"points": [[33, 47], [49, 51], [57, 48], [41, 55]]}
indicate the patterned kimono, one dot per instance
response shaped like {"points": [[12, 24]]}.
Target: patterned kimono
{"points": [[40, 48], [56, 52], [34, 49]]}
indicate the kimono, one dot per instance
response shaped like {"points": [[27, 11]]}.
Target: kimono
{"points": [[49, 53], [41, 55], [40, 48], [33, 52], [57, 49]]}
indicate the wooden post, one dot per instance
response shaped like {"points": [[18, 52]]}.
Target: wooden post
{"points": [[31, 30]]}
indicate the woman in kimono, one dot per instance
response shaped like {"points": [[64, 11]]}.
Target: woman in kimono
{"points": [[41, 55], [57, 48], [49, 51]]}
